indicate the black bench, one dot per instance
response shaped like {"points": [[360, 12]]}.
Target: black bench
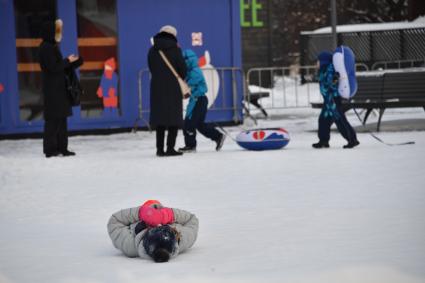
{"points": [[386, 89], [253, 98]]}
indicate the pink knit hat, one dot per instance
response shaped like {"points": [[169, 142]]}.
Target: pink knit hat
{"points": [[152, 203], [153, 213]]}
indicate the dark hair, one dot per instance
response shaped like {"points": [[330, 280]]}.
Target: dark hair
{"points": [[47, 31], [161, 255], [160, 243]]}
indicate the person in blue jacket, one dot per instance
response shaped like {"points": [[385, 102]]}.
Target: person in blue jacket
{"points": [[197, 108], [332, 111]]}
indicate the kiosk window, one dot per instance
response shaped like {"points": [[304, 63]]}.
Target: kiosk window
{"points": [[97, 44], [29, 16]]}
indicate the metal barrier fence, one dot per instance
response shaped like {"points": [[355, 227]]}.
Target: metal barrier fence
{"points": [[297, 87], [226, 88], [283, 87], [279, 87], [268, 88]]}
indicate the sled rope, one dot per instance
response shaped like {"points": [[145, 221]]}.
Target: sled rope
{"points": [[225, 132], [377, 138]]}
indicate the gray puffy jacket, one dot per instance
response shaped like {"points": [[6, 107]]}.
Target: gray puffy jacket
{"points": [[121, 230]]}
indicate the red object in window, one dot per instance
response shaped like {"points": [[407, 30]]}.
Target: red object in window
{"points": [[108, 85], [99, 92], [1, 87]]}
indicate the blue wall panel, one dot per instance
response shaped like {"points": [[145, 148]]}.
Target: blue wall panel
{"points": [[8, 73], [138, 21]]}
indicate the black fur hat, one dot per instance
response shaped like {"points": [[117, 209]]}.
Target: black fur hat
{"points": [[160, 243]]}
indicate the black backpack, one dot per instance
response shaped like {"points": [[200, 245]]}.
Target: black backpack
{"points": [[73, 87]]}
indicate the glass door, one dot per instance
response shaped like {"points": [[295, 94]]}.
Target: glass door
{"points": [[97, 44], [29, 16]]}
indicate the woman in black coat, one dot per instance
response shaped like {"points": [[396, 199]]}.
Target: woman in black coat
{"points": [[166, 98], [57, 105]]}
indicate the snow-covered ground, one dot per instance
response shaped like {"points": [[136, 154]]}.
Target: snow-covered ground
{"points": [[294, 215]]}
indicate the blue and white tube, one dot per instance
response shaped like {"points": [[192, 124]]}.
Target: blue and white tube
{"points": [[344, 63]]}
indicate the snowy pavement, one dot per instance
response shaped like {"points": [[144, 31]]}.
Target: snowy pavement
{"points": [[292, 215]]}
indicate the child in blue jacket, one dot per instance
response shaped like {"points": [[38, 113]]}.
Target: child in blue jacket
{"points": [[197, 108], [332, 111]]}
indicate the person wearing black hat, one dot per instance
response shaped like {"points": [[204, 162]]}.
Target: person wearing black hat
{"points": [[332, 111], [160, 243], [152, 231], [57, 105]]}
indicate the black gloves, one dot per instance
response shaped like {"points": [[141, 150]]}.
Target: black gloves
{"points": [[335, 77], [140, 227]]}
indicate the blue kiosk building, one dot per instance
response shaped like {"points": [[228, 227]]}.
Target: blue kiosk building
{"points": [[115, 33]]}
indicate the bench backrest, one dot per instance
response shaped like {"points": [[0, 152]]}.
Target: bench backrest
{"points": [[369, 87], [404, 85]]}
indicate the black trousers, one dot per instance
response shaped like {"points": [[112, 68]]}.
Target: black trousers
{"points": [[197, 122], [55, 136], [341, 122], [171, 137]]}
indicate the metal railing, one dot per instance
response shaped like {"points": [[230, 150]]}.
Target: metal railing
{"points": [[361, 67], [274, 88], [398, 64], [280, 87], [226, 89]]}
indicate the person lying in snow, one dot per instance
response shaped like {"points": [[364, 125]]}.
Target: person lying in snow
{"points": [[153, 231]]}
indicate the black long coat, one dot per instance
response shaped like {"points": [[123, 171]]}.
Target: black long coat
{"points": [[53, 65], [166, 98]]}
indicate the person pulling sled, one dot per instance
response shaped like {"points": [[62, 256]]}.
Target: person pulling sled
{"points": [[332, 109], [196, 110]]}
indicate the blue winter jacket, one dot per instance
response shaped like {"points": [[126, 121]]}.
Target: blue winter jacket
{"points": [[195, 80], [329, 90]]}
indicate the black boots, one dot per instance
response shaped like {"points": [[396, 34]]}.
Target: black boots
{"points": [[57, 153], [169, 152], [172, 152], [68, 153], [52, 154], [187, 149], [160, 153], [320, 144], [220, 142], [352, 144], [218, 145]]}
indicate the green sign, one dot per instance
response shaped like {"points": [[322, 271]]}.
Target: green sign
{"points": [[250, 7]]}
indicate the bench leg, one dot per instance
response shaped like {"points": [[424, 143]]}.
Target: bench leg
{"points": [[248, 114], [246, 110], [367, 115], [256, 104], [381, 113]]}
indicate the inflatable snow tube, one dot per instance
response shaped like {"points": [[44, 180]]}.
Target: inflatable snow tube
{"points": [[344, 63], [263, 139]]}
